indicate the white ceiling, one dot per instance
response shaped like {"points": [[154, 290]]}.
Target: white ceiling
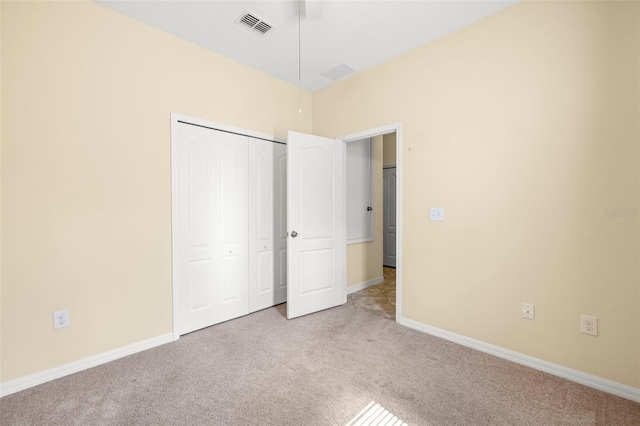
{"points": [[359, 33]]}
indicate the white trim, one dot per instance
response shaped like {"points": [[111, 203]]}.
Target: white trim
{"points": [[383, 130], [22, 383], [592, 381], [371, 133], [174, 224], [364, 285]]}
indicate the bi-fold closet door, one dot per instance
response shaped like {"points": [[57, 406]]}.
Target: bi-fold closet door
{"points": [[267, 224], [230, 233]]}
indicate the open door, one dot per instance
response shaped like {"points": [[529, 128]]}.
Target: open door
{"points": [[389, 217], [316, 241]]}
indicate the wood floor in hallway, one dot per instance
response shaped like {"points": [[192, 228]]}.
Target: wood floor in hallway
{"points": [[379, 299]]}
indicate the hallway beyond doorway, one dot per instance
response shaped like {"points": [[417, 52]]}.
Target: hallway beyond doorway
{"points": [[378, 299]]}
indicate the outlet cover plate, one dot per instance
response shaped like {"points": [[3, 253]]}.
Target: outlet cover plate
{"points": [[436, 214], [527, 311], [589, 325], [61, 319]]}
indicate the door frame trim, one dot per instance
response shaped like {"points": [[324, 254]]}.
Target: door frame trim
{"points": [[370, 133], [175, 119]]}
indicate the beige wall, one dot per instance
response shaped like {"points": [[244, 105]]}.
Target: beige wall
{"points": [[364, 260], [524, 127], [86, 189], [389, 149]]}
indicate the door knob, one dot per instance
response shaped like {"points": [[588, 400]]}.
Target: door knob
{"points": [[369, 208], [294, 234]]}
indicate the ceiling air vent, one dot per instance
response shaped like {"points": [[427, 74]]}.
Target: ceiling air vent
{"points": [[337, 72], [254, 22]]}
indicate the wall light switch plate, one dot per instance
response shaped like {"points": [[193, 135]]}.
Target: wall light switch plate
{"points": [[436, 214]]}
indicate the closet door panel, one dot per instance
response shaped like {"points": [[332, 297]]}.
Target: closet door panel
{"points": [[200, 292], [231, 279], [196, 216], [280, 200], [265, 274], [232, 182], [261, 224]]}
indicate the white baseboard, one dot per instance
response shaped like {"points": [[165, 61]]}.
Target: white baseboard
{"points": [[364, 285], [595, 382], [22, 383]]}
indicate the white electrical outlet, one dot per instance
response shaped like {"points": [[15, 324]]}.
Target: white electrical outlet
{"points": [[589, 325], [436, 214], [60, 319], [527, 311]]}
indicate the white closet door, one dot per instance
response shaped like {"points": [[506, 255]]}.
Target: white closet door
{"points": [[267, 227], [194, 235], [211, 231], [233, 274], [261, 225], [280, 200]]}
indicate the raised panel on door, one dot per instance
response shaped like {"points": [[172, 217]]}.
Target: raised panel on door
{"points": [[232, 275], [389, 217], [195, 236], [262, 276], [315, 217]]}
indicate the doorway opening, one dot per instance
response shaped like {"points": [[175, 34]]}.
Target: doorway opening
{"points": [[373, 279]]}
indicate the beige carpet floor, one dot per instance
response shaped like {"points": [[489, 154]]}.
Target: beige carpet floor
{"points": [[322, 369]]}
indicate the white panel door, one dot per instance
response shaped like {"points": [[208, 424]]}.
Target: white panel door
{"points": [[316, 245], [280, 200], [232, 176], [195, 233], [211, 231], [266, 284], [389, 217]]}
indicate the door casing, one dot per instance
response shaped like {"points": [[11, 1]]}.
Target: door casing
{"points": [[370, 133]]}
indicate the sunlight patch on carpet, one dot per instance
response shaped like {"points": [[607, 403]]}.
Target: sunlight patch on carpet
{"points": [[375, 414]]}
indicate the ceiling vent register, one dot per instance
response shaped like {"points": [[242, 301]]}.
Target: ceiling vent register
{"points": [[254, 22], [337, 72]]}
